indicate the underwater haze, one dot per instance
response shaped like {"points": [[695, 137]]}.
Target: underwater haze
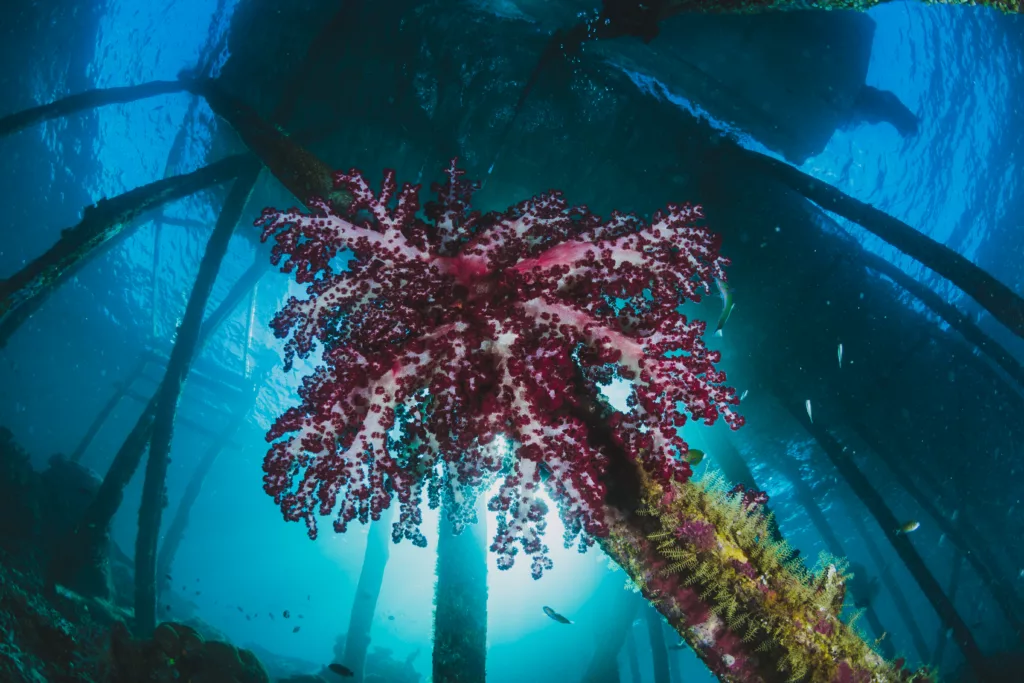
{"points": [[769, 428]]}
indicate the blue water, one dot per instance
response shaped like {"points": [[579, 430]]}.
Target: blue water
{"points": [[960, 69]]}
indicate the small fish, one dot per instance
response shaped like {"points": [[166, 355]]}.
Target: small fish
{"points": [[341, 670], [744, 394], [296, 629], [679, 646], [840, 356], [391, 617], [907, 527], [286, 614], [694, 456], [727, 305], [942, 539], [555, 615], [956, 516], [807, 406], [240, 609]]}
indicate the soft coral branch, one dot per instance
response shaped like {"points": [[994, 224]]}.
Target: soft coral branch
{"points": [[463, 330]]}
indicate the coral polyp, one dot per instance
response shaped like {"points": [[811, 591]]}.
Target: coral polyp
{"points": [[455, 331]]}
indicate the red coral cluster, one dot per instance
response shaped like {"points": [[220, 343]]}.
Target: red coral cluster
{"points": [[751, 496], [453, 334], [698, 533]]}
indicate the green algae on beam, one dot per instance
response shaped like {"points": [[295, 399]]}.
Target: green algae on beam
{"points": [[746, 630], [299, 170]]}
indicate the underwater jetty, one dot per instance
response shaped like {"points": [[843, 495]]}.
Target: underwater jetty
{"points": [[482, 332]]}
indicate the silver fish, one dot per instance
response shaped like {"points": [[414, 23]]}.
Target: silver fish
{"points": [[810, 415], [840, 355]]}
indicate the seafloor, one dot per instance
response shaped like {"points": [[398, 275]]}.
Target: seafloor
{"points": [[52, 635]]}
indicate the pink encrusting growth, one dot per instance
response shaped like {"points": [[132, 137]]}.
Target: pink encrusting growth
{"points": [[453, 333]]}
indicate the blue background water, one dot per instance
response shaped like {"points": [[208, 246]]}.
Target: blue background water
{"points": [[960, 69]]}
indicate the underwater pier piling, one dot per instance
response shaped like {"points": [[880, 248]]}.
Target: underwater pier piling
{"points": [[90, 99], [888, 522], [368, 589], [1003, 303], [979, 558], [949, 313], [806, 499], [633, 657], [123, 386], [615, 611], [659, 650], [899, 599], [22, 293], [82, 555], [175, 533], [460, 601], [185, 348], [941, 636], [299, 170]]}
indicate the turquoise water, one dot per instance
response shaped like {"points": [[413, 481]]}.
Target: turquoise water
{"points": [[959, 70]]}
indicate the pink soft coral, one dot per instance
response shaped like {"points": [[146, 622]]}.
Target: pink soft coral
{"points": [[698, 533], [448, 337]]}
